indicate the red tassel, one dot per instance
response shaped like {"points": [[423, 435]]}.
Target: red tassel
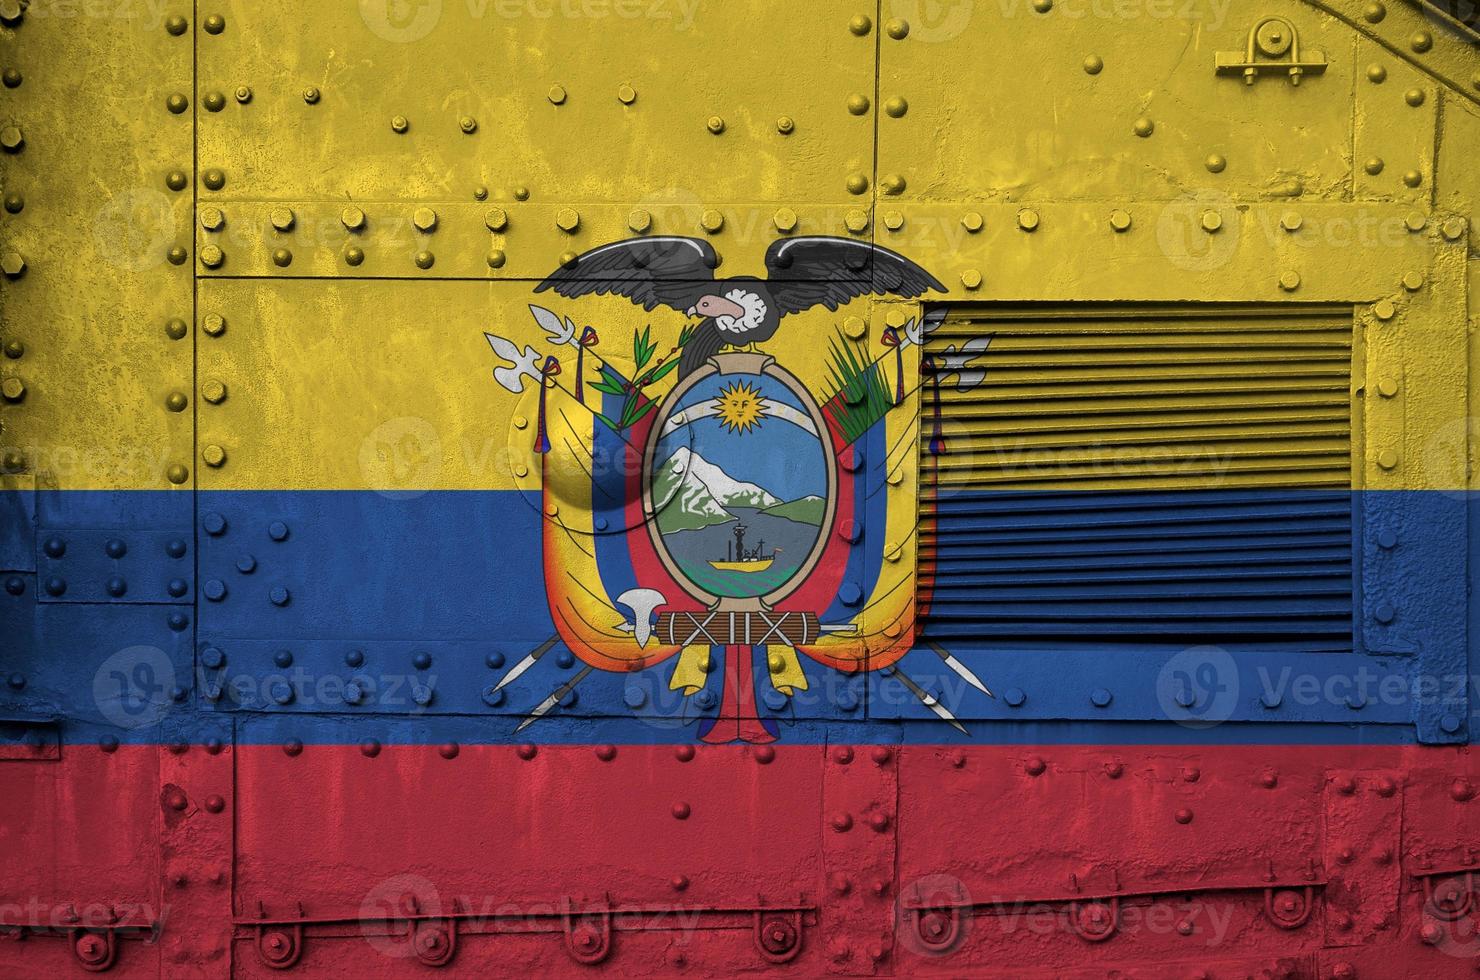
{"points": [[541, 437], [738, 718]]}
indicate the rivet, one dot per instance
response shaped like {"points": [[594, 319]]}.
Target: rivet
{"points": [[215, 24], [785, 125], [556, 95], [1384, 309], [176, 402], [678, 882], [858, 104], [177, 474], [399, 124], [897, 28], [842, 822], [896, 107], [1421, 41], [606, 753], [176, 25], [681, 811], [786, 219], [856, 220], [425, 219], [354, 255], [1035, 766], [1143, 127], [311, 95], [177, 103], [1412, 178], [14, 349], [1450, 724], [568, 259], [860, 25], [1387, 540], [467, 124], [893, 220], [1376, 74], [1269, 779], [892, 184], [277, 531], [567, 220], [1211, 221], [214, 179], [175, 329], [1015, 697], [1413, 281], [971, 279], [177, 255], [1373, 166], [1094, 64], [1100, 697], [1289, 280], [1374, 12], [715, 124], [11, 138], [1387, 388], [449, 750], [1027, 219], [1042, 6], [712, 221], [972, 221], [279, 596], [521, 193], [1216, 163], [15, 203], [1384, 612], [1387, 459], [527, 751], [857, 183], [176, 180], [213, 101], [1120, 220], [282, 258], [496, 258], [425, 259], [243, 94], [1183, 816], [213, 455], [352, 218], [854, 327]]}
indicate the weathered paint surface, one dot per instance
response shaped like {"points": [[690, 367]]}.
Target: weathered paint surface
{"points": [[276, 541]]}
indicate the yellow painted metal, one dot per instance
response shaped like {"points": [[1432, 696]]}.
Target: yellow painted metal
{"points": [[1051, 158], [94, 312]]}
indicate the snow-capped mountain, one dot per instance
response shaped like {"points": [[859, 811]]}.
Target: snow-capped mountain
{"points": [[692, 492]]}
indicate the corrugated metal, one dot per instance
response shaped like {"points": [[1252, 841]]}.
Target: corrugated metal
{"points": [[1135, 475]]}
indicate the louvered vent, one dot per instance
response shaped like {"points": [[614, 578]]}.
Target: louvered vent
{"points": [[1139, 475]]}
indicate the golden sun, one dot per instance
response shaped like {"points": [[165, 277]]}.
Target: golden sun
{"points": [[740, 407]]}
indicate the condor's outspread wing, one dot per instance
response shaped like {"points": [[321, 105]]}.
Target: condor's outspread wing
{"points": [[658, 271], [821, 270]]}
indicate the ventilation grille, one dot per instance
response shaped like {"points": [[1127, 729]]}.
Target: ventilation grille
{"points": [[1157, 477]]}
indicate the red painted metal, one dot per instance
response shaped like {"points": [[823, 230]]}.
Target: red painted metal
{"points": [[265, 860]]}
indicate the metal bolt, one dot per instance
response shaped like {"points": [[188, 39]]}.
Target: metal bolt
{"points": [[639, 220], [282, 218], [467, 124], [556, 95], [1027, 219], [715, 124], [1415, 220], [243, 94], [1453, 229], [567, 220], [1211, 221], [352, 218], [12, 264], [971, 279], [13, 389], [1289, 280], [1291, 221], [213, 392], [1120, 220], [785, 125], [425, 219], [211, 219], [626, 94], [1387, 459], [712, 221], [311, 95], [213, 455], [786, 219]]}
